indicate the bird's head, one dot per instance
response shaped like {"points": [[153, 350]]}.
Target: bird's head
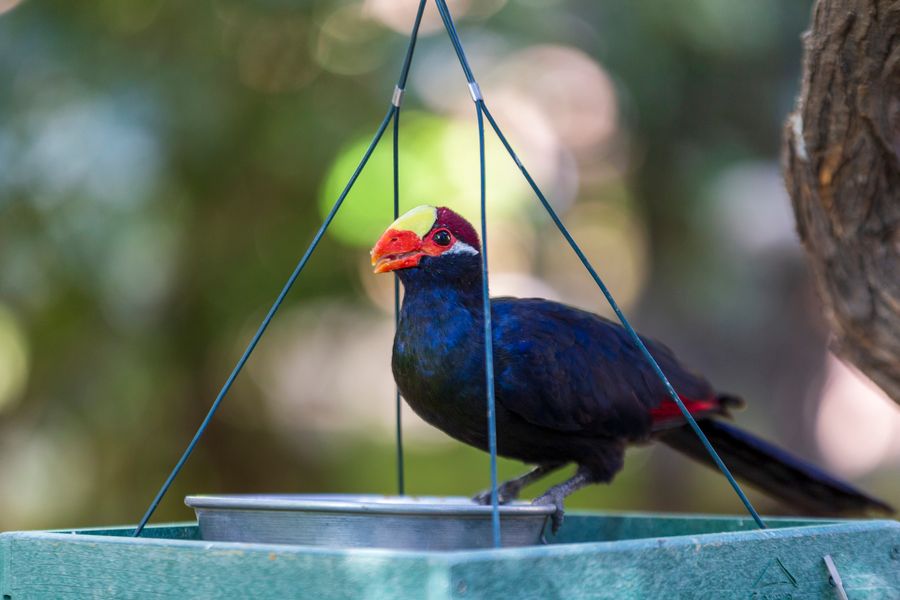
{"points": [[425, 236]]}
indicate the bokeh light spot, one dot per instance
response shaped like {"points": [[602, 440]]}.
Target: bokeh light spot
{"points": [[45, 473], [399, 16], [7, 5], [14, 362], [615, 241], [438, 165], [346, 42], [751, 209], [573, 91], [857, 427], [273, 56]]}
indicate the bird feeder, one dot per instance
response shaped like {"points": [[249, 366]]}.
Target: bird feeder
{"points": [[325, 547], [595, 555]]}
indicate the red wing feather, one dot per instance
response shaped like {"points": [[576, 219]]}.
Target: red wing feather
{"points": [[667, 414]]}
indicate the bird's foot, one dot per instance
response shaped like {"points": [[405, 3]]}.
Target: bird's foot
{"points": [[555, 499], [506, 493]]}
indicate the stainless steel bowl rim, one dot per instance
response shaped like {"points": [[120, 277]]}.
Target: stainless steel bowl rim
{"points": [[362, 503]]}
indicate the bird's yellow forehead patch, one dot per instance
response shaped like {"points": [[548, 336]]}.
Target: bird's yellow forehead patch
{"points": [[418, 220]]}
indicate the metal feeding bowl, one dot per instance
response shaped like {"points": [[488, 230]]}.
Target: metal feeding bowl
{"points": [[365, 521]]}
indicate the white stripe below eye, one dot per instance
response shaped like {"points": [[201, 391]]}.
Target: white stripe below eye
{"points": [[461, 247]]}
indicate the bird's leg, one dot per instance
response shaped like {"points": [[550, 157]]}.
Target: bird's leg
{"points": [[556, 495], [510, 490]]}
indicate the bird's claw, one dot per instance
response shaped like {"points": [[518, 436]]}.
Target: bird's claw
{"points": [[555, 500], [505, 495]]}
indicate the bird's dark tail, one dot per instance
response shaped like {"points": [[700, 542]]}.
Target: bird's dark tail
{"points": [[774, 471]]}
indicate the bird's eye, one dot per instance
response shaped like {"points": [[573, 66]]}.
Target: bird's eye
{"points": [[442, 237]]}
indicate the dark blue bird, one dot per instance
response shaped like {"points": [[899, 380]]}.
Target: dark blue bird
{"points": [[570, 386]]}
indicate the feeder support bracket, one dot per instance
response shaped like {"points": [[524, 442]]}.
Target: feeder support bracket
{"points": [[475, 91], [397, 97]]}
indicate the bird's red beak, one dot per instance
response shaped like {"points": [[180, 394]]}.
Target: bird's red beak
{"points": [[402, 245], [395, 250]]}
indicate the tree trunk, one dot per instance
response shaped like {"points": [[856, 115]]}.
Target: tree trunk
{"points": [[842, 169]]}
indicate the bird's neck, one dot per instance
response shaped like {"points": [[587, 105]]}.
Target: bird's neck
{"points": [[445, 287]]}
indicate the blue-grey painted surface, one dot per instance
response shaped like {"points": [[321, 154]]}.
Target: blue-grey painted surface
{"points": [[595, 556]]}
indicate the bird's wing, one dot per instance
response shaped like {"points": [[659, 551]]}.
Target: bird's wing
{"points": [[573, 371]]}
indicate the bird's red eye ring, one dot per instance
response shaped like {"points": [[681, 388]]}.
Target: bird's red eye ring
{"points": [[442, 237]]}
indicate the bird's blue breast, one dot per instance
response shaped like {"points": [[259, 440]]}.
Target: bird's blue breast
{"points": [[438, 359]]}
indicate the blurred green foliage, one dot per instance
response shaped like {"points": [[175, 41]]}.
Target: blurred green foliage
{"points": [[164, 164]]}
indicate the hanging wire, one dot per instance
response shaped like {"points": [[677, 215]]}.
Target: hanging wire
{"points": [[411, 48], [485, 291], [488, 338], [454, 39], [397, 101], [481, 113], [265, 323], [393, 111], [398, 401], [631, 332], [482, 109], [450, 26]]}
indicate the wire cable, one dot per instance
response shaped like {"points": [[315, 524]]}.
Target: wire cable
{"points": [[475, 91], [631, 332], [483, 111], [264, 325], [396, 100], [488, 339]]}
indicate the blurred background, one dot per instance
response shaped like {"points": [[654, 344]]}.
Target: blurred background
{"points": [[163, 165]]}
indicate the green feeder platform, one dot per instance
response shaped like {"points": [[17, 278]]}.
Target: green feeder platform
{"points": [[594, 555]]}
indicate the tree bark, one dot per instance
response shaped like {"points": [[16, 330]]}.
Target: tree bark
{"points": [[842, 170]]}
